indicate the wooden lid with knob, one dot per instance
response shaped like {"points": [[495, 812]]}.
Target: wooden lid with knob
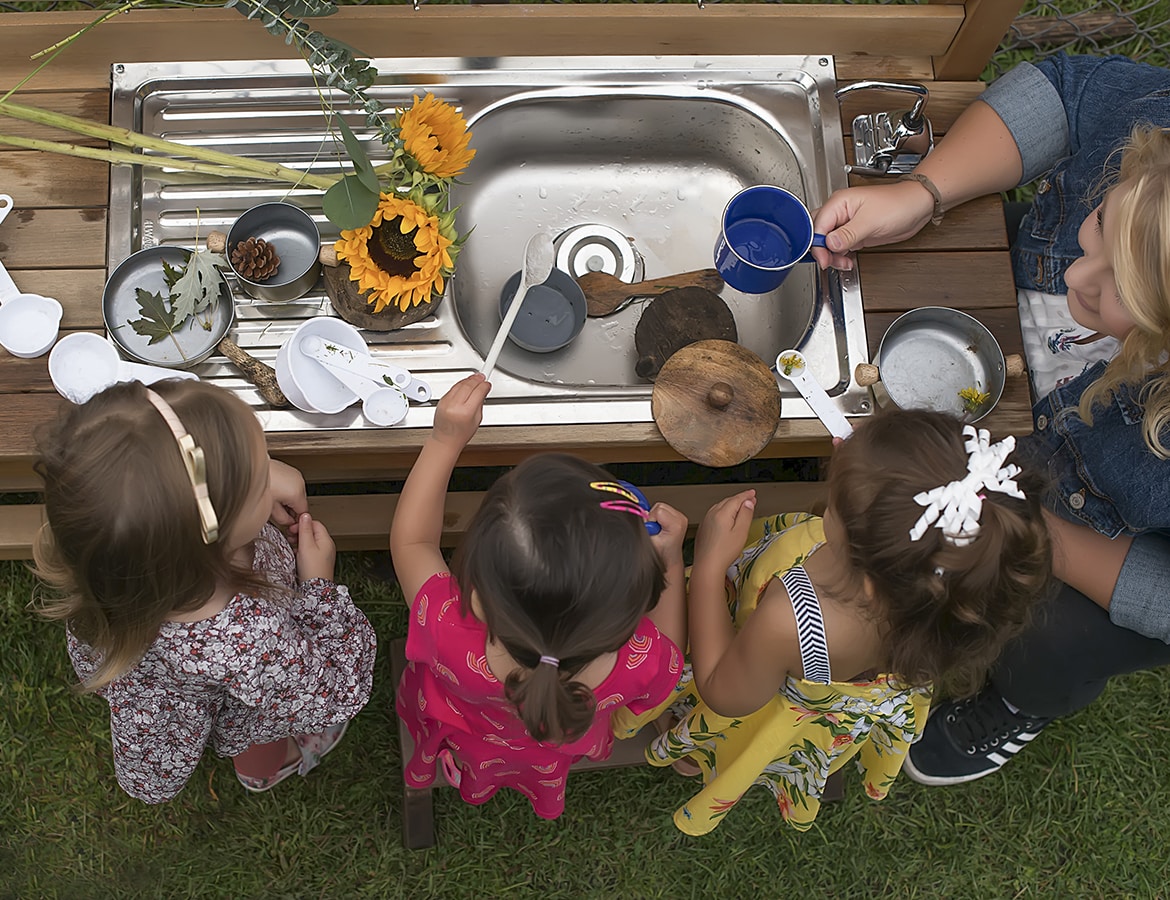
{"points": [[716, 403]]}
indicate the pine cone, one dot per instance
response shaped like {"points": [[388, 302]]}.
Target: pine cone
{"points": [[255, 259]]}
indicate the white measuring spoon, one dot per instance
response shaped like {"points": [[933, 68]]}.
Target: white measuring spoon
{"points": [[334, 356], [28, 322], [382, 404], [792, 365], [84, 364], [538, 265]]}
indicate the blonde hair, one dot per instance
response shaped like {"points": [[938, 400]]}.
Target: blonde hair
{"points": [[1141, 268], [122, 544]]}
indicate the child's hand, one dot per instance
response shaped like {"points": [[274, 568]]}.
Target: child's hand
{"points": [[669, 541], [460, 411], [723, 532], [287, 487], [316, 552]]}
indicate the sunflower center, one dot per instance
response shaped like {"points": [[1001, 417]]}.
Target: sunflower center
{"points": [[393, 251]]}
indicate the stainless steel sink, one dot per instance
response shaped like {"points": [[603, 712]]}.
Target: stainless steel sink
{"points": [[628, 162]]}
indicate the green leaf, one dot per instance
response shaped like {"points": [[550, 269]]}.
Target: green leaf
{"points": [[357, 154], [199, 283], [158, 320], [350, 204]]}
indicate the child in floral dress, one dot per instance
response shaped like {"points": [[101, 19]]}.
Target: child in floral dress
{"points": [[184, 607], [929, 558], [561, 611]]}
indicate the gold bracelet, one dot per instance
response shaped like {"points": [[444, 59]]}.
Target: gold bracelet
{"points": [[936, 217]]}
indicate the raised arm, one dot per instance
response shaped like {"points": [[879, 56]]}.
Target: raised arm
{"points": [[417, 528], [670, 613]]}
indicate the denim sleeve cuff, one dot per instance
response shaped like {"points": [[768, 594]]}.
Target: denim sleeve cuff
{"points": [[1034, 113], [1141, 597]]}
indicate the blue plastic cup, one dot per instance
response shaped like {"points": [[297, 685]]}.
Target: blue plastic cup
{"points": [[765, 231]]}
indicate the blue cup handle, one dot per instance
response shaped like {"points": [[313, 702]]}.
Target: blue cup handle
{"points": [[817, 241]]}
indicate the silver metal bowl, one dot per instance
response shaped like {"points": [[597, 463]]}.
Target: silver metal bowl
{"points": [[294, 236]]}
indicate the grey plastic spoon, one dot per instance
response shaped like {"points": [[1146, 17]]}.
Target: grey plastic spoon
{"points": [[791, 365], [538, 265]]}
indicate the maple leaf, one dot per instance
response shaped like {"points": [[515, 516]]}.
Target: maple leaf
{"points": [[158, 320], [200, 280]]}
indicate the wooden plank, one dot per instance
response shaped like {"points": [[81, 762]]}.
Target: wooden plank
{"points": [[986, 23], [474, 31], [92, 104], [899, 281], [362, 521], [78, 290], [51, 238], [47, 180]]}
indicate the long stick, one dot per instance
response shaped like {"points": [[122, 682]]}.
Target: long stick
{"points": [[270, 171], [124, 157]]}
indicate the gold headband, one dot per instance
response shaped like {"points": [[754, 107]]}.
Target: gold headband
{"points": [[195, 464]]}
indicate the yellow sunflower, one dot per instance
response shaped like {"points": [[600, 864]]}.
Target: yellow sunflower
{"points": [[401, 257], [436, 135]]}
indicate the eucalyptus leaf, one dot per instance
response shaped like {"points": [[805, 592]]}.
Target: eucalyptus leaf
{"points": [[350, 204], [357, 154]]}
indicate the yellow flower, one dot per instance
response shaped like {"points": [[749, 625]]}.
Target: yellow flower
{"points": [[436, 135], [401, 257]]}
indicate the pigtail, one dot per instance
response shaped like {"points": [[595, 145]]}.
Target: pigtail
{"points": [[551, 704]]}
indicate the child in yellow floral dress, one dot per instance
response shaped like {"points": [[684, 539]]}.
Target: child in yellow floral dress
{"points": [[928, 559]]}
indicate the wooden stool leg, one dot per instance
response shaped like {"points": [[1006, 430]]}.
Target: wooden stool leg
{"points": [[834, 787], [418, 819]]}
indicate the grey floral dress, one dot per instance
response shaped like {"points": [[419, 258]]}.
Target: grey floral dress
{"points": [[258, 671]]}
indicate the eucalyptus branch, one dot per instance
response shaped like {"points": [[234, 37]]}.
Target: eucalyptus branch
{"points": [[220, 161], [336, 62]]}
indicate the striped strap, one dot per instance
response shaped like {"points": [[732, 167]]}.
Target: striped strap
{"points": [[810, 625]]}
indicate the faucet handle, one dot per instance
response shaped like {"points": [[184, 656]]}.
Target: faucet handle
{"points": [[890, 143]]}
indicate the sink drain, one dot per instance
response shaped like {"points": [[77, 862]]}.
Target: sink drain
{"points": [[598, 248]]}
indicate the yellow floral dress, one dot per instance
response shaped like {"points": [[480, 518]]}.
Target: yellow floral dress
{"points": [[810, 729]]}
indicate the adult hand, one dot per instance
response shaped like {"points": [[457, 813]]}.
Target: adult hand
{"points": [[869, 216], [669, 541], [316, 552], [460, 411], [723, 532], [287, 487]]}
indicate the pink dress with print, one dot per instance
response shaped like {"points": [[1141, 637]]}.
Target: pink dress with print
{"points": [[458, 716]]}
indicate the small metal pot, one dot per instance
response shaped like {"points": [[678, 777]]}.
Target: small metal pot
{"points": [[294, 236], [928, 356]]}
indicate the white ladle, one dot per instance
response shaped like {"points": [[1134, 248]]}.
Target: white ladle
{"points": [[538, 265], [83, 364], [792, 365], [382, 404], [28, 322]]}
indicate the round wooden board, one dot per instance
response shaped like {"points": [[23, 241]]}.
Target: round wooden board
{"points": [[687, 397], [675, 319], [350, 304]]}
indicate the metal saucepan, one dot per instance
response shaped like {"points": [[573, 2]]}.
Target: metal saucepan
{"points": [[294, 237], [941, 359], [192, 343]]}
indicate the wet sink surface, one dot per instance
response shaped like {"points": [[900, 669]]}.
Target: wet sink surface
{"points": [[628, 162]]}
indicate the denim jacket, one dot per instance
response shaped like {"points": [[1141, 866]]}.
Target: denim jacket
{"points": [[1068, 114]]}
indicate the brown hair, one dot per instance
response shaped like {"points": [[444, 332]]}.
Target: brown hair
{"points": [[557, 576], [122, 543], [943, 628]]}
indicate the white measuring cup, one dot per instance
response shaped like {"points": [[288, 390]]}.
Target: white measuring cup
{"points": [[84, 364], [28, 322], [791, 365]]}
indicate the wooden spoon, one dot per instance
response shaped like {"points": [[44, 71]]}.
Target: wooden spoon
{"points": [[604, 293]]}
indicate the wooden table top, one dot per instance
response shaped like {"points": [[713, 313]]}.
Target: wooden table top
{"points": [[54, 243]]}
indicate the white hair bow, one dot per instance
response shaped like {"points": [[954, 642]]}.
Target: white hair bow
{"points": [[955, 507]]}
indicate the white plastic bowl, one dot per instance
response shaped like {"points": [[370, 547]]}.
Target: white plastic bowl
{"points": [[308, 385]]}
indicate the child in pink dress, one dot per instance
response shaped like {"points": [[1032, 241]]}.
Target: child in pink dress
{"points": [[561, 611]]}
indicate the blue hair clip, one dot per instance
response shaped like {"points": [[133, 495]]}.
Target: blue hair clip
{"points": [[652, 527], [633, 501]]}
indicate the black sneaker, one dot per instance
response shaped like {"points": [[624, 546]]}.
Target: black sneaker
{"points": [[967, 739]]}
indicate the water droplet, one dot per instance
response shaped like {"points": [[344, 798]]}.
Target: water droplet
{"points": [[543, 193]]}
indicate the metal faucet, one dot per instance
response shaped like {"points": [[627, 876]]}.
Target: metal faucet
{"points": [[890, 143]]}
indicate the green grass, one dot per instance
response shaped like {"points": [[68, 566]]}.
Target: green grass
{"points": [[1083, 813]]}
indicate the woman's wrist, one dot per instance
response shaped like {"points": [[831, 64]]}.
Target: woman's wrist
{"points": [[937, 211]]}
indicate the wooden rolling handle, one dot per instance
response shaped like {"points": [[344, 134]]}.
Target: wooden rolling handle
{"points": [[216, 241], [867, 374]]}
